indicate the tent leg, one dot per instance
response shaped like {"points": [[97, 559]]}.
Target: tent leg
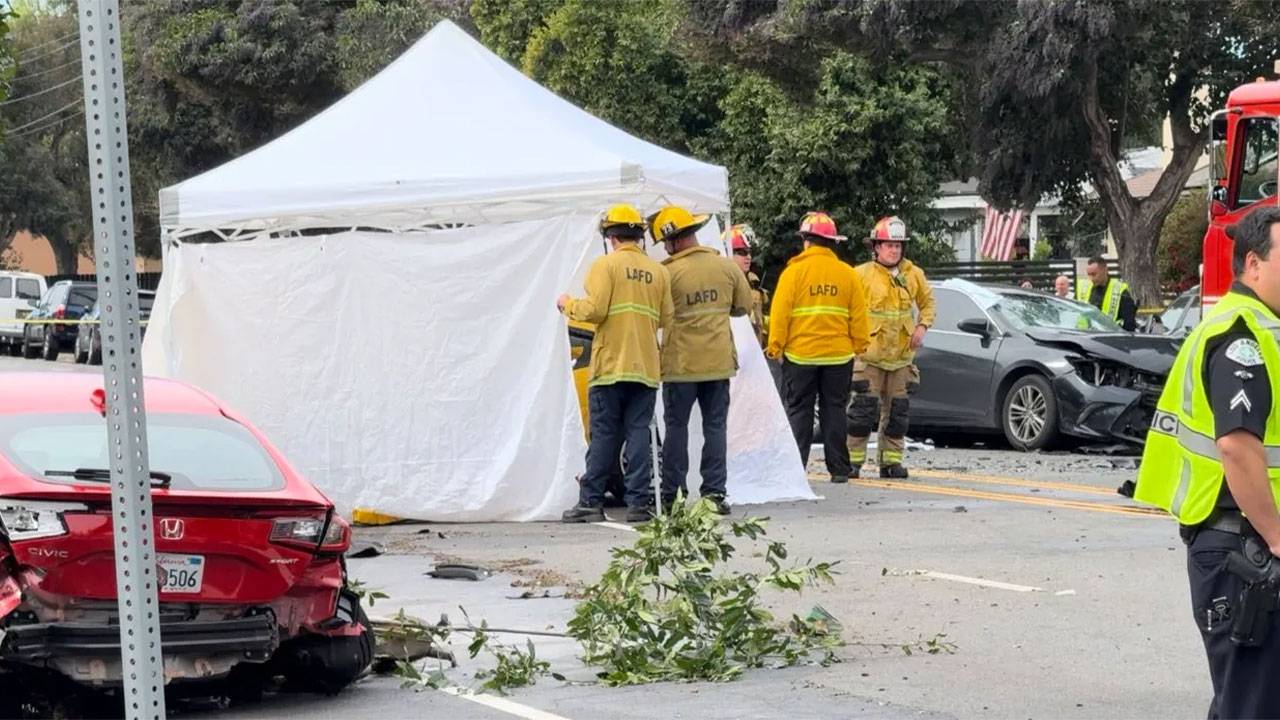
{"points": [[655, 442]]}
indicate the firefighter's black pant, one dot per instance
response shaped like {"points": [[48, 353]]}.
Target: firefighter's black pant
{"points": [[829, 385], [1244, 678]]}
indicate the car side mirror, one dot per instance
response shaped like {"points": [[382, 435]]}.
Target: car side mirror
{"points": [[977, 326]]}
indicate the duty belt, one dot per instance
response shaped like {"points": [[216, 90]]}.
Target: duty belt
{"points": [[1227, 521]]}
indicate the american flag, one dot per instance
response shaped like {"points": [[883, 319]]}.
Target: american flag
{"points": [[1000, 233]]}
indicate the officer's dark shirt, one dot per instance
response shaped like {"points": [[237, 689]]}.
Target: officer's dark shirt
{"points": [[1128, 317], [1239, 394]]}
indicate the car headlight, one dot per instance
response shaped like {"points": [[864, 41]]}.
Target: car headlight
{"points": [[1102, 373], [30, 520]]}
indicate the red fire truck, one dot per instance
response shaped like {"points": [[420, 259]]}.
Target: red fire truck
{"points": [[1243, 146]]}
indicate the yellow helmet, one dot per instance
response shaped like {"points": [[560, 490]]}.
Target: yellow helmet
{"points": [[622, 220], [674, 220]]}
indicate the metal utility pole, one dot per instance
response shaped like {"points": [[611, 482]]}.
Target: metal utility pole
{"points": [[106, 133]]}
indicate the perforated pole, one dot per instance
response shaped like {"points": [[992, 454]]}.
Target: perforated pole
{"points": [[113, 245]]}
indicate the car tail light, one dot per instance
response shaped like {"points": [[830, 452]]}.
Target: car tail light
{"points": [[29, 520], [311, 533], [60, 312]]}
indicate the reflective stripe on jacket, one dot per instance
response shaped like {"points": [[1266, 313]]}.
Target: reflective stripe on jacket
{"points": [[628, 299], [819, 312], [895, 305]]}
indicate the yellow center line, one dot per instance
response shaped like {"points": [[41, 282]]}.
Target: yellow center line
{"points": [[999, 480], [1011, 497]]}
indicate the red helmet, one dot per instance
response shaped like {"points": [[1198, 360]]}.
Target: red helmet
{"points": [[739, 237], [890, 229], [820, 224]]}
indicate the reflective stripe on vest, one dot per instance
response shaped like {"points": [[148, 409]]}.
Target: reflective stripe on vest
{"points": [[1110, 299], [1181, 468]]}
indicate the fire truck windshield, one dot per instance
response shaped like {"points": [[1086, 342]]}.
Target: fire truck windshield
{"points": [[1257, 170]]}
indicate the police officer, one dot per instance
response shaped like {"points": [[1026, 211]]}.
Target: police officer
{"points": [[1110, 295], [698, 355], [740, 239], [1211, 461], [901, 308], [629, 300], [817, 324]]}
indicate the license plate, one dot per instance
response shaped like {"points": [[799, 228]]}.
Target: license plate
{"points": [[180, 573], [22, 314]]}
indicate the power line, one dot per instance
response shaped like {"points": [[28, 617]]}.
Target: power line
{"points": [[39, 120], [46, 91], [24, 61], [54, 41], [55, 68], [41, 128]]}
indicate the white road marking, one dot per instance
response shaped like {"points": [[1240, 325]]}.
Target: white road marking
{"points": [[980, 582], [1060, 593], [501, 704], [615, 526]]}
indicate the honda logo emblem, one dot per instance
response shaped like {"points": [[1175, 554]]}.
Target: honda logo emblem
{"points": [[172, 529]]}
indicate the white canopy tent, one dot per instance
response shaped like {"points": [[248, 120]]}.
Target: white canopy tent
{"points": [[448, 133], [411, 360]]}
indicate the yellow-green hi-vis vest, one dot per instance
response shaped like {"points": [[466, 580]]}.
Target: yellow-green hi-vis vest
{"points": [[1110, 299], [1181, 470]]}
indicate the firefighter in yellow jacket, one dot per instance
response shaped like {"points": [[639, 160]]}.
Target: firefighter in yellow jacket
{"points": [[629, 300], [900, 305], [817, 324]]}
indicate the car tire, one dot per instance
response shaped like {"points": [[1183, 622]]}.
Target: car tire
{"points": [[326, 665], [95, 349], [80, 358], [1029, 414], [29, 351], [49, 348]]}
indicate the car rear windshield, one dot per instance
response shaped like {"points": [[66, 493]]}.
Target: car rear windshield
{"points": [[201, 453], [1027, 312]]}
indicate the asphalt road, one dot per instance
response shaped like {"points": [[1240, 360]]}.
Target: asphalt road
{"points": [[1062, 600]]}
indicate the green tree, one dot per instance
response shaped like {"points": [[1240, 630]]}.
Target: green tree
{"points": [[506, 25], [867, 142], [1058, 89], [1181, 240], [44, 183]]}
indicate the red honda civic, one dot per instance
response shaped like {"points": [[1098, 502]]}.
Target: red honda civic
{"points": [[252, 579]]}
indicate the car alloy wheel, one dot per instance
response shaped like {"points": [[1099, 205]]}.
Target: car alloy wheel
{"points": [[1030, 413], [1027, 413]]}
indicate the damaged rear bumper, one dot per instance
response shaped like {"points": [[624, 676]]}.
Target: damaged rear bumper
{"points": [[1102, 412], [253, 638]]}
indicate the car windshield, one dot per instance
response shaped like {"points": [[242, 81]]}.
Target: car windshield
{"points": [[1027, 312], [201, 453]]}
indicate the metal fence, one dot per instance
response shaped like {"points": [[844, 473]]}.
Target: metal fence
{"points": [[146, 281], [1040, 273]]}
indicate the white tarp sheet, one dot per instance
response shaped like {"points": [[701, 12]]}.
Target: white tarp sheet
{"points": [[424, 375], [471, 414]]}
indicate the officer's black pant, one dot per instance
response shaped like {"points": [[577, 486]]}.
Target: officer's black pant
{"points": [[1244, 678], [620, 413], [829, 385]]}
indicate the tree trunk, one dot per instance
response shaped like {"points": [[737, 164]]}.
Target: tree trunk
{"points": [[64, 255], [1136, 244], [1136, 223]]}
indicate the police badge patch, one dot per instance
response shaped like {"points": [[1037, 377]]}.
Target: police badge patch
{"points": [[1245, 352]]}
